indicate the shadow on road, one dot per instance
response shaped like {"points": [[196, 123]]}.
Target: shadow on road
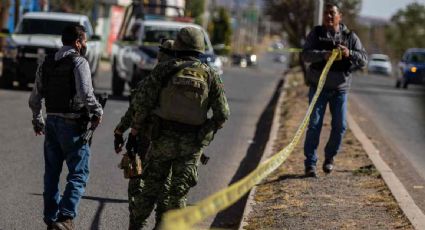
{"points": [[231, 217], [102, 201]]}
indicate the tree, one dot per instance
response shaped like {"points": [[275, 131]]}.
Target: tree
{"points": [[407, 29], [195, 9], [296, 17], [73, 6], [221, 30]]}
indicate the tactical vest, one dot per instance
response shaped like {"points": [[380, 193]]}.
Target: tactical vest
{"points": [[58, 84], [184, 98], [325, 43]]}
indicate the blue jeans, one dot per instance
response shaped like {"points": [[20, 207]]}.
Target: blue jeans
{"points": [[338, 107], [63, 143]]}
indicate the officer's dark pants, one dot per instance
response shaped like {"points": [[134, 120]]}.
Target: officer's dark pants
{"points": [[63, 143]]}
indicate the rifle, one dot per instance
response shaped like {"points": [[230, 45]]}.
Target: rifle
{"points": [[87, 136]]}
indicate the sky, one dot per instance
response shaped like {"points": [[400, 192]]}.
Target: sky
{"points": [[384, 8]]}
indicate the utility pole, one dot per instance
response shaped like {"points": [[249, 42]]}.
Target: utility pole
{"points": [[207, 15], [318, 13]]}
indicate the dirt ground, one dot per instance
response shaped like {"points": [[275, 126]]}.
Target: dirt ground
{"points": [[354, 196]]}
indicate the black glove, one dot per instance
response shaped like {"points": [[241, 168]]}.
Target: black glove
{"points": [[204, 159], [118, 142], [131, 145], [38, 126]]}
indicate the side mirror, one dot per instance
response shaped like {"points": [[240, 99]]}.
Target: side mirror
{"points": [[95, 37], [5, 31]]}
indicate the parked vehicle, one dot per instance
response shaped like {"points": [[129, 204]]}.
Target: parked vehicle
{"points": [[134, 54], [39, 34], [379, 63], [239, 60], [411, 69]]}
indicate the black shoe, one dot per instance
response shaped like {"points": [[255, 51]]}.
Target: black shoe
{"points": [[328, 166], [310, 171], [64, 224]]}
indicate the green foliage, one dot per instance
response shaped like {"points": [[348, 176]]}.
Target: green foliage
{"points": [[296, 17], [195, 9], [407, 29], [220, 28], [73, 6]]}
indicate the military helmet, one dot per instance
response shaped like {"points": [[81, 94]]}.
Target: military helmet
{"points": [[190, 39]]}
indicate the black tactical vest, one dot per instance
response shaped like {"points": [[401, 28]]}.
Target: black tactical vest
{"points": [[325, 43], [58, 84]]}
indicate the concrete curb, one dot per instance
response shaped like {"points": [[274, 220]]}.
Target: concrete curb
{"points": [[404, 200], [267, 152]]}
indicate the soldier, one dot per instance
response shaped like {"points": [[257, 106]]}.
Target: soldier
{"points": [[63, 80], [143, 144], [178, 95]]}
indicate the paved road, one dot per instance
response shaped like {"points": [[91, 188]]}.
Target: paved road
{"points": [[236, 149], [395, 121]]}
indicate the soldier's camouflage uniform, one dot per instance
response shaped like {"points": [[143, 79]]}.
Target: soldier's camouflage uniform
{"points": [[173, 151], [134, 184]]}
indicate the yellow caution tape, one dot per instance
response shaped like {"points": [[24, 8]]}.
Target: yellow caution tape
{"points": [[3, 35], [285, 50], [183, 219]]}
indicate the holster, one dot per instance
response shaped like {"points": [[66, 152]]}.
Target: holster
{"points": [[83, 121], [132, 166]]}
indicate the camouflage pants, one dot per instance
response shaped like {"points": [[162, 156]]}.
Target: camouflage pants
{"points": [[135, 185], [169, 174]]}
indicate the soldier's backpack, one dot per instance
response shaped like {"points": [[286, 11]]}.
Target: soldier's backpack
{"points": [[184, 98]]}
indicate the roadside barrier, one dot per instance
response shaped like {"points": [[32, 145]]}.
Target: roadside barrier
{"points": [[185, 218]]}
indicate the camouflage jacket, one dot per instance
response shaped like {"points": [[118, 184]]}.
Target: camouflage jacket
{"points": [[126, 120], [147, 96]]}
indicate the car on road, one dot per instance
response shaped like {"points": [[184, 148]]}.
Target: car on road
{"points": [[411, 69], [379, 63], [134, 53], [39, 34]]}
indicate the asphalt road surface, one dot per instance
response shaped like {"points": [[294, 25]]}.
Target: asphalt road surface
{"points": [[395, 121], [235, 151]]}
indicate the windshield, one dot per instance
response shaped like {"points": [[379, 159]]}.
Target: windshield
{"points": [[153, 35], [379, 60], [41, 26], [417, 58]]}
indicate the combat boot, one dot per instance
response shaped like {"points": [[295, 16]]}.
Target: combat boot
{"points": [[66, 224]]}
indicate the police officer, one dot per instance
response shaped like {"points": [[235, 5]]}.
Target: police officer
{"points": [[178, 94], [317, 50], [63, 80], [165, 54]]}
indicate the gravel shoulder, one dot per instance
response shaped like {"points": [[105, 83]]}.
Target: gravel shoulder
{"points": [[354, 196]]}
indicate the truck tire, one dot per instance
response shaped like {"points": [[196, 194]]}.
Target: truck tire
{"points": [[117, 83], [6, 80]]}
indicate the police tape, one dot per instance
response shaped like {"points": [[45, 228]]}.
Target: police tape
{"points": [[185, 218], [285, 50]]}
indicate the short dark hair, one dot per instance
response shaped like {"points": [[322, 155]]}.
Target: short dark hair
{"points": [[71, 33], [333, 4]]}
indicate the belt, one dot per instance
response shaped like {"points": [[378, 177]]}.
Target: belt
{"points": [[179, 127]]}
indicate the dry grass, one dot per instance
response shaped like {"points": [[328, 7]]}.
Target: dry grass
{"points": [[352, 197]]}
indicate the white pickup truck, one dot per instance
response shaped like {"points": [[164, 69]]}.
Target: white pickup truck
{"points": [[134, 53], [38, 34]]}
